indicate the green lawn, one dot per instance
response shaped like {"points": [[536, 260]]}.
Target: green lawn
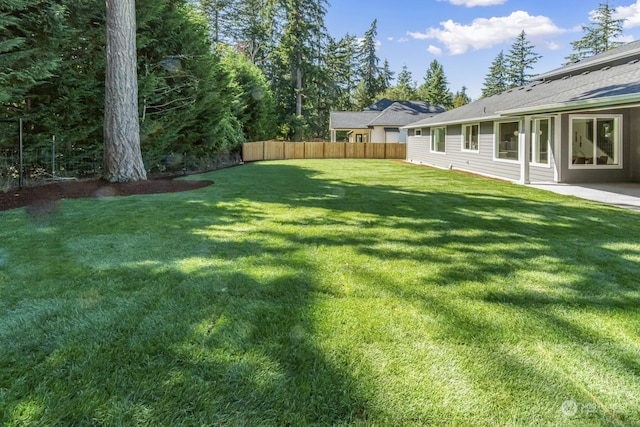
{"points": [[322, 292]]}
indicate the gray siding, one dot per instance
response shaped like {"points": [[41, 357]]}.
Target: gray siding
{"points": [[481, 162], [629, 157]]}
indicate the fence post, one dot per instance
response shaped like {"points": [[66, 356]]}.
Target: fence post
{"points": [[21, 156], [53, 157]]}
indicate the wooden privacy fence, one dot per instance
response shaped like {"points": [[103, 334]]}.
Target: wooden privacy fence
{"points": [[281, 150]]}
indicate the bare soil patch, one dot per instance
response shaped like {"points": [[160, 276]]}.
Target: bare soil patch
{"points": [[48, 193]]}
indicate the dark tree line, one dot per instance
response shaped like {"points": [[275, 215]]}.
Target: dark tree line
{"points": [[215, 73], [192, 100]]}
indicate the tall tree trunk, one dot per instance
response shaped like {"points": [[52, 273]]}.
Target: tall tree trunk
{"points": [[298, 91], [122, 156]]}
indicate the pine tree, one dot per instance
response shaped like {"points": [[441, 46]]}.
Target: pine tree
{"points": [[461, 98], [220, 14], [496, 81], [386, 76], [297, 67], [405, 89], [600, 36], [342, 68], [520, 58], [435, 88], [122, 155], [361, 98], [27, 55], [370, 70]]}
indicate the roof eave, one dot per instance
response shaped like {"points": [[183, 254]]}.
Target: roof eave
{"points": [[452, 122], [610, 101]]}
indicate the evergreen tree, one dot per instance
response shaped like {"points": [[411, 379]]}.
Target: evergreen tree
{"points": [[461, 98], [405, 89], [342, 68], [435, 88], [386, 76], [361, 97], [297, 75], [496, 81], [520, 58], [189, 103], [253, 102], [370, 70], [600, 36], [122, 156], [220, 15], [27, 55]]}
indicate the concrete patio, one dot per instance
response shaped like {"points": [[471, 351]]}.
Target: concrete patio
{"points": [[623, 195]]}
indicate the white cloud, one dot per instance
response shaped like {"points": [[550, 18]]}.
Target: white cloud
{"points": [[403, 40], [473, 3], [631, 14], [553, 46], [484, 33], [434, 50]]}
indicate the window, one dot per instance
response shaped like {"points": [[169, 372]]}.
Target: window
{"points": [[540, 141], [595, 141], [418, 132], [506, 134], [437, 139], [470, 135]]}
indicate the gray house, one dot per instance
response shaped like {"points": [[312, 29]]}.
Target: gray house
{"points": [[380, 122], [578, 123]]}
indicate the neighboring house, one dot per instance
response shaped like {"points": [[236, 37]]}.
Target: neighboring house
{"points": [[578, 123], [381, 122]]}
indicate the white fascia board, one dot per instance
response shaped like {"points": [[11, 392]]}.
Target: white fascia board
{"points": [[453, 122]]}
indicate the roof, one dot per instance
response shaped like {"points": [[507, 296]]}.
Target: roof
{"points": [[352, 119], [609, 79], [384, 113]]}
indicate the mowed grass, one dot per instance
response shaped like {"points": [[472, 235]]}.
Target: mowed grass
{"points": [[337, 292]]}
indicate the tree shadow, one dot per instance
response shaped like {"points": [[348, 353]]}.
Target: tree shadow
{"points": [[209, 341]]}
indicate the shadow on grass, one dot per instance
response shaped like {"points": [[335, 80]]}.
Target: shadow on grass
{"points": [[219, 327]]}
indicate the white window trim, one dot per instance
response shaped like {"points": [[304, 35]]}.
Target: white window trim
{"points": [[619, 142], [464, 137], [496, 142], [549, 144], [417, 132], [431, 143]]}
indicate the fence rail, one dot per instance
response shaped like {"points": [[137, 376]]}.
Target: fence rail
{"points": [[281, 150]]}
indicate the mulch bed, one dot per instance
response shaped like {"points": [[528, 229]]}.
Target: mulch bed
{"points": [[48, 193]]}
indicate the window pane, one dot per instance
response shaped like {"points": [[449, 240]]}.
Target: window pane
{"points": [[582, 144], [508, 140], [596, 141], [471, 137], [541, 142], [606, 148], [475, 132], [440, 136]]}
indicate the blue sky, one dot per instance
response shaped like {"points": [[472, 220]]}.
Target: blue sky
{"points": [[466, 35]]}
